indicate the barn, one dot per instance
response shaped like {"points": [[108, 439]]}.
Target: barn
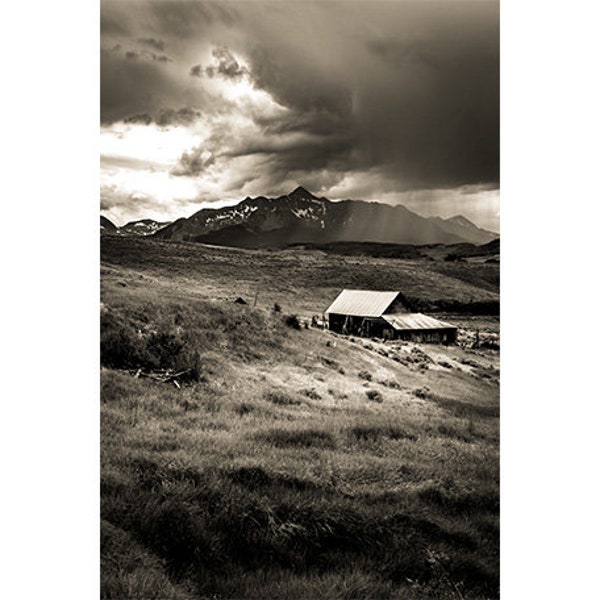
{"points": [[384, 314]]}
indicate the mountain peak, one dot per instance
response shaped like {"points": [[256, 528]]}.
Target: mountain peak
{"points": [[303, 217], [462, 220], [301, 192]]}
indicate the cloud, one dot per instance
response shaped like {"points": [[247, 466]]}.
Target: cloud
{"points": [[153, 43], [375, 99], [226, 65], [182, 116], [194, 162], [160, 57], [143, 53], [139, 118], [196, 71], [132, 87]]}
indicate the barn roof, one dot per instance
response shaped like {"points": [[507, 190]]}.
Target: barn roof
{"points": [[411, 321], [362, 303]]}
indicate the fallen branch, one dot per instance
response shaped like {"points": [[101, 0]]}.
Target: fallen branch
{"points": [[163, 376]]}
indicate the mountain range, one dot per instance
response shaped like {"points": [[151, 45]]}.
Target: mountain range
{"points": [[303, 217]]}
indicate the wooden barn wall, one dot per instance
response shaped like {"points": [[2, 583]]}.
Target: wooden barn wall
{"points": [[360, 326], [432, 336]]}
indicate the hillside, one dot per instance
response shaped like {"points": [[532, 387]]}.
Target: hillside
{"points": [[302, 217], [303, 280], [465, 251], [291, 463]]}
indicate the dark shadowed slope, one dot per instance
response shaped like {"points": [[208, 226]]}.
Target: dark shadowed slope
{"points": [[461, 226], [107, 226]]}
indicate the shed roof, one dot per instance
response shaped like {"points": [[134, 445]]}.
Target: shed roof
{"points": [[410, 321], [362, 303]]}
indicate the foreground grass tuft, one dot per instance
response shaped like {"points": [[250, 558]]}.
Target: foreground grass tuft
{"points": [[290, 438]]}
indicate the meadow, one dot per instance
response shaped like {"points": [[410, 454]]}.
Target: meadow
{"points": [[290, 462]]}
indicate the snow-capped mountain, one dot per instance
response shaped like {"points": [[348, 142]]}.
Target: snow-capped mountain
{"points": [[142, 227], [303, 217]]}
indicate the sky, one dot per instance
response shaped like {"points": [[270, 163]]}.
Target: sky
{"points": [[205, 103]]}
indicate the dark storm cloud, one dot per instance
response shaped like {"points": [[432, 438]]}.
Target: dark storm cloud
{"points": [[111, 24], [182, 116], [405, 90], [183, 19], [298, 152], [144, 118], [153, 43], [165, 116], [133, 87], [420, 101]]}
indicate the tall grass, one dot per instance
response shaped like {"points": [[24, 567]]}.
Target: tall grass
{"points": [[173, 336], [218, 529]]}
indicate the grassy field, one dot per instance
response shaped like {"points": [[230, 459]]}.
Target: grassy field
{"points": [[301, 281], [291, 463]]}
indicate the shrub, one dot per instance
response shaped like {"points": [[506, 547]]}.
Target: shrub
{"points": [[329, 362], [292, 321], [390, 383], [307, 438], [312, 394], [375, 432], [374, 396], [281, 398], [123, 346], [243, 409], [365, 375], [276, 308]]}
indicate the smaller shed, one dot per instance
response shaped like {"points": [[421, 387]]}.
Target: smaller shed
{"points": [[421, 328]]}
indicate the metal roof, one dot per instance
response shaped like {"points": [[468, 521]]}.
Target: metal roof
{"points": [[415, 321], [362, 303]]}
